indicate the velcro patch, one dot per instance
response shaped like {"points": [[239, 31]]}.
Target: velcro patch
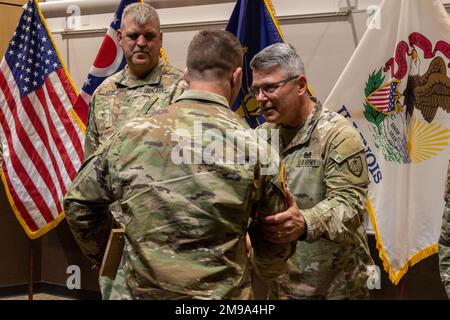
{"points": [[309, 163]]}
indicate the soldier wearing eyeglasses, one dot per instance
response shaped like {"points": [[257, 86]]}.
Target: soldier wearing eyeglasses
{"points": [[327, 176]]}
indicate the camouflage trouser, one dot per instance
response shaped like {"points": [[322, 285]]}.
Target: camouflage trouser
{"points": [[118, 289], [109, 287], [105, 284], [275, 292], [444, 253], [115, 289]]}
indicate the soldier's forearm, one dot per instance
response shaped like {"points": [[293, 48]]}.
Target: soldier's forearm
{"points": [[333, 217], [91, 227], [269, 259]]}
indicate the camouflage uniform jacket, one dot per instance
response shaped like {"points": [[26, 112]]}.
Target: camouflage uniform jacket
{"points": [[185, 224], [327, 174], [122, 97], [444, 241]]}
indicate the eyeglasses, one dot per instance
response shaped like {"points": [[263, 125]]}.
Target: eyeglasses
{"points": [[270, 88]]}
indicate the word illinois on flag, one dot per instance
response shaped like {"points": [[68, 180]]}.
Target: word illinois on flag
{"points": [[108, 61], [41, 134], [396, 91], [253, 22]]}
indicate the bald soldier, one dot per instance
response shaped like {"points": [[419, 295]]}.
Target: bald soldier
{"points": [[327, 175], [444, 241], [186, 207], [146, 83]]}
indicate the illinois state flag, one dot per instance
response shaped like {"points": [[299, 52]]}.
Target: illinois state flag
{"points": [[41, 134], [396, 91], [108, 61], [253, 22]]}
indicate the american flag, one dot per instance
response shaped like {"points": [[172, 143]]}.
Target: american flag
{"points": [[384, 98], [41, 134], [108, 61]]}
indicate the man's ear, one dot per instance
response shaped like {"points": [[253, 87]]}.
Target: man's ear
{"points": [[237, 76], [302, 85], [186, 75], [119, 35]]}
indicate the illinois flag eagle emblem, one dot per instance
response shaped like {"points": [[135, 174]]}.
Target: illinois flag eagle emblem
{"points": [[397, 94], [403, 135]]}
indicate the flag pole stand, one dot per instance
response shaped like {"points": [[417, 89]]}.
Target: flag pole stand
{"points": [[30, 268]]}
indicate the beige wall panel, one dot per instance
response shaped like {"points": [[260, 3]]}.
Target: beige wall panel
{"points": [[10, 12], [8, 22], [18, 2]]}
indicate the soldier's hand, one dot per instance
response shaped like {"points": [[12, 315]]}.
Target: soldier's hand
{"points": [[285, 226]]}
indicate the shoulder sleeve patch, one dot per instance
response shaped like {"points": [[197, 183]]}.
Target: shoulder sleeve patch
{"points": [[348, 147], [355, 165]]}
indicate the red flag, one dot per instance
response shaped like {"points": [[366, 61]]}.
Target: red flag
{"points": [[40, 132]]}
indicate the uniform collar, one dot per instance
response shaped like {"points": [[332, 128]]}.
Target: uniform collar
{"points": [[305, 130], [304, 133], [153, 78], [205, 96]]}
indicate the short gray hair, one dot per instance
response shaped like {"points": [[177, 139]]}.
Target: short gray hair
{"points": [[281, 55], [141, 13]]}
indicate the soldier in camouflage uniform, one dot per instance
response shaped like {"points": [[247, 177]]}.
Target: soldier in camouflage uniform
{"points": [[147, 82], [444, 240], [327, 175], [185, 219]]}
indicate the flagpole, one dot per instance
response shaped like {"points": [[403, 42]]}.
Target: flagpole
{"points": [[30, 268]]}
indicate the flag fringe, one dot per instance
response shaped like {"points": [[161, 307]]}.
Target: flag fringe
{"points": [[31, 234], [270, 7], [395, 277], [311, 92], [77, 119], [163, 54]]}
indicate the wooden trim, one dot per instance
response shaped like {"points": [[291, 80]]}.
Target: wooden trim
{"points": [[49, 288], [11, 4], [113, 253]]}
